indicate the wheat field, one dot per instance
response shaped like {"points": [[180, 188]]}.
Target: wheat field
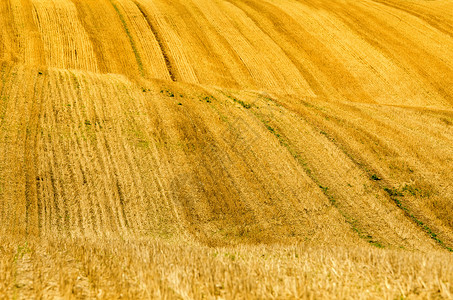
{"points": [[226, 149]]}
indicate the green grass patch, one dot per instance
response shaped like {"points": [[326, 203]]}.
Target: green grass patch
{"points": [[242, 103], [168, 93], [397, 194], [143, 144], [375, 177], [207, 99]]}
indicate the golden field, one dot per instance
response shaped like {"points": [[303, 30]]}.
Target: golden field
{"points": [[226, 149]]}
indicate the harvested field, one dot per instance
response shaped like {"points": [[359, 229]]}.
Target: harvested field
{"points": [[226, 149]]}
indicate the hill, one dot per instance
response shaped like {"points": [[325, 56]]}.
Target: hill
{"points": [[235, 149]]}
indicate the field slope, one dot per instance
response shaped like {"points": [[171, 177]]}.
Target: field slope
{"points": [[226, 149]]}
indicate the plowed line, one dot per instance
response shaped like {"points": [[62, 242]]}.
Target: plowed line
{"points": [[159, 41], [434, 21], [31, 161], [131, 39]]}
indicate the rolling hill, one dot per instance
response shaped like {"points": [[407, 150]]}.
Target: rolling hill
{"points": [[226, 149]]}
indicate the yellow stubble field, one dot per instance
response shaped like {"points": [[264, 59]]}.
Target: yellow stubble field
{"points": [[226, 149]]}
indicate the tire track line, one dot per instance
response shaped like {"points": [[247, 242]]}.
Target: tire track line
{"points": [[35, 94], [130, 37], [126, 108], [159, 40], [113, 146], [76, 197], [106, 153], [59, 156], [85, 194], [183, 67], [91, 90], [9, 164]]}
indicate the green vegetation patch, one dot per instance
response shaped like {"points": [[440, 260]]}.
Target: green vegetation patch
{"points": [[242, 103], [168, 93], [375, 177], [207, 99], [351, 221], [3, 103], [397, 194]]}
